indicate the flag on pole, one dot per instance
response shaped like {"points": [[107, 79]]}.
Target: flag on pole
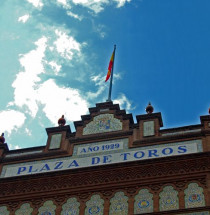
{"points": [[111, 62]]}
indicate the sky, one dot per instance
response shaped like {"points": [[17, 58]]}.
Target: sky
{"points": [[54, 56]]}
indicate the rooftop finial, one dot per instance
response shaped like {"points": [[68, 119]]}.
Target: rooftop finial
{"points": [[149, 109], [61, 121], [2, 139], [209, 110]]}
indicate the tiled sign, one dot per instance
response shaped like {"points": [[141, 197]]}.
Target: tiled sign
{"points": [[101, 153]]}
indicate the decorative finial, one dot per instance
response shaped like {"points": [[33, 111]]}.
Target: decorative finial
{"points": [[2, 139], [61, 121], [209, 110], [149, 109]]}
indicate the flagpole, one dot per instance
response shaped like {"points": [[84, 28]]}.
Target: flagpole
{"points": [[110, 85]]}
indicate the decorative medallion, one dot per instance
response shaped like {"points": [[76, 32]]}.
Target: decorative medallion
{"points": [[71, 207], [95, 206], [103, 123], [48, 208], [194, 196], [4, 211], [119, 204], [169, 199], [143, 202], [24, 209]]}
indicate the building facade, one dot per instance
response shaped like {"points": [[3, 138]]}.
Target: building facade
{"points": [[110, 166]]}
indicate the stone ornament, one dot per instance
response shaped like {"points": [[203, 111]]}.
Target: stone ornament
{"points": [[95, 206], [169, 199], [3, 210], [143, 202], [194, 196], [24, 209], [103, 123], [119, 204], [48, 208], [71, 207]]}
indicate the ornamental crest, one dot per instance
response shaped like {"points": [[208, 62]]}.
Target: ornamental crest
{"points": [[103, 123]]}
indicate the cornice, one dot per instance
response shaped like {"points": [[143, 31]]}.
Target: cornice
{"points": [[154, 173]]}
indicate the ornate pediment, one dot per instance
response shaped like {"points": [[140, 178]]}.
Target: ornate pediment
{"points": [[103, 123]]}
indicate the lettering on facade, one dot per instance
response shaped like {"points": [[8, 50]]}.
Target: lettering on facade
{"points": [[110, 157], [100, 148]]}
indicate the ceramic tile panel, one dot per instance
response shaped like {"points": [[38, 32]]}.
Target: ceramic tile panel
{"points": [[71, 207], [119, 204], [25, 209], [194, 196], [48, 208], [4, 211], [95, 206], [168, 199], [103, 123], [143, 202]]}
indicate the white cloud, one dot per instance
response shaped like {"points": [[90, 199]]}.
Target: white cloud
{"points": [[11, 147], [60, 100], [23, 18], [99, 81], [66, 45], [30, 91], [124, 102], [95, 5], [26, 81], [28, 132], [64, 2], [98, 5], [76, 16], [121, 3], [36, 3], [55, 67], [11, 120]]}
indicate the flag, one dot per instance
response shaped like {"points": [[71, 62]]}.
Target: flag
{"points": [[111, 62]]}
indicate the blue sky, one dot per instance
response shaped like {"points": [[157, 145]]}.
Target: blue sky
{"points": [[54, 57]]}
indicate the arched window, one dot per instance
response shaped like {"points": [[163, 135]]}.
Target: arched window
{"points": [[119, 204], [95, 206], [194, 196], [143, 202], [169, 199]]}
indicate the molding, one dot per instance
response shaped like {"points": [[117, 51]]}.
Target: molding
{"points": [[154, 174]]}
